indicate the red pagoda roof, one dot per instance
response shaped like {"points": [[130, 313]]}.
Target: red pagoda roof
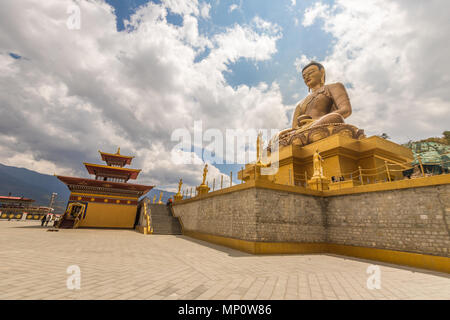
{"points": [[109, 157], [16, 198], [105, 184], [98, 169], [115, 158]]}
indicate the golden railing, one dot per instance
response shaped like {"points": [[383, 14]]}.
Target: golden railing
{"points": [[149, 228], [385, 173]]}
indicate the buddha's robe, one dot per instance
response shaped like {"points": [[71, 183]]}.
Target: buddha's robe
{"points": [[329, 104]]}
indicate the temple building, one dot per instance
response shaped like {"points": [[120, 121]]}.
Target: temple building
{"points": [[108, 200], [20, 208], [434, 157]]}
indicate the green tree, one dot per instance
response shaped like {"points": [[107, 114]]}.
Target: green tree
{"points": [[447, 136]]}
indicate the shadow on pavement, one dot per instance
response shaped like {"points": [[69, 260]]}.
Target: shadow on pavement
{"points": [[229, 251], [391, 265], [33, 227]]}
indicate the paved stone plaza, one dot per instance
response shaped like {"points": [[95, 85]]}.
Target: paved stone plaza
{"points": [[123, 264]]}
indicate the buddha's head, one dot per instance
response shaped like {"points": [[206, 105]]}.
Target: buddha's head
{"points": [[314, 75]]}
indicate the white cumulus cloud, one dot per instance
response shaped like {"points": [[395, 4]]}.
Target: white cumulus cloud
{"points": [[76, 91], [393, 57]]}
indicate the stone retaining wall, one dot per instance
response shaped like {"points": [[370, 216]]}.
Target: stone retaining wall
{"points": [[412, 220], [256, 215]]}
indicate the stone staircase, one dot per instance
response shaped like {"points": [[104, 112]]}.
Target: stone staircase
{"points": [[163, 222], [66, 224]]}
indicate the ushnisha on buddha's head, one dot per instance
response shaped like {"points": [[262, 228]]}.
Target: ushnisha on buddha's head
{"points": [[314, 75]]}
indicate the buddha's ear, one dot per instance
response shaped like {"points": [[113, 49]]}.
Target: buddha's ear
{"points": [[322, 80]]}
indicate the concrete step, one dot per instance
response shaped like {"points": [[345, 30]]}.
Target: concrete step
{"points": [[160, 210], [163, 222]]}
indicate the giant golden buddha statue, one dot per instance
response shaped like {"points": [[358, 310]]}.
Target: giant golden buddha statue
{"points": [[321, 113], [320, 145]]}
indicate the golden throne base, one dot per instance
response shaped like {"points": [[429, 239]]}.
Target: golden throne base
{"points": [[342, 154]]}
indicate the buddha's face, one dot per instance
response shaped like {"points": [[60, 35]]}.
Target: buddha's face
{"points": [[313, 77]]}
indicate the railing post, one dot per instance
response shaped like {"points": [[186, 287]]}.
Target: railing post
{"points": [[387, 170], [231, 179], [421, 166], [214, 183], [221, 181], [360, 175]]}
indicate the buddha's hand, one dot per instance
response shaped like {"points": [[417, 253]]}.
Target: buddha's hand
{"points": [[284, 132], [303, 119]]}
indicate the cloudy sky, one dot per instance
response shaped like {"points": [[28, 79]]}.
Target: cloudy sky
{"points": [[132, 72]]}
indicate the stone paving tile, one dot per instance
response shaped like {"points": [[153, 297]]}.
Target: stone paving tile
{"points": [[212, 291], [123, 264], [254, 289]]}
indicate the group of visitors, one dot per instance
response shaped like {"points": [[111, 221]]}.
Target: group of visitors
{"points": [[337, 179], [48, 218]]}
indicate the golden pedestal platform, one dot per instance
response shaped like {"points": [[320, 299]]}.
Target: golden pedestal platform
{"points": [[178, 197], [352, 161], [342, 185], [202, 189], [319, 183]]}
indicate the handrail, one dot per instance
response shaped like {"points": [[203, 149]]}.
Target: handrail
{"points": [[149, 228]]}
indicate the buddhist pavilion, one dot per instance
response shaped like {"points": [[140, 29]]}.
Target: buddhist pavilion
{"points": [[108, 200], [20, 208]]}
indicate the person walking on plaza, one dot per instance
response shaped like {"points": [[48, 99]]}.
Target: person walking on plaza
{"points": [[49, 217], [43, 220], [55, 222]]}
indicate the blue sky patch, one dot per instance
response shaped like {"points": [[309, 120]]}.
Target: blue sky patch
{"points": [[15, 56]]}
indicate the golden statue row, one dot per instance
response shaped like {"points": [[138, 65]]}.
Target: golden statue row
{"points": [[160, 198], [203, 188]]}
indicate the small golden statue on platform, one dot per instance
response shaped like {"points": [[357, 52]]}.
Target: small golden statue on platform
{"points": [[259, 145], [203, 188], [179, 196], [318, 181], [205, 172], [317, 165], [160, 197]]}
